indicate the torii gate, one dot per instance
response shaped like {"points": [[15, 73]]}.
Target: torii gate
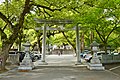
{"points": [[45, 22]]}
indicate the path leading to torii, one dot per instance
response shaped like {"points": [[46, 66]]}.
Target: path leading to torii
{"points": [[59, 60], [58, 72]]}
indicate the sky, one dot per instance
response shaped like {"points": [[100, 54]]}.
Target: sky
{"points": [[1, 1]]}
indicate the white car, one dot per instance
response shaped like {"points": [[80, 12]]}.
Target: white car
{"points": [[100, 53], [114, 53], [88, 57], [36, 55]]}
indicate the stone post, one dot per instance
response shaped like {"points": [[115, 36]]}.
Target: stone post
{"points": [[26, 63], [95, 63]]}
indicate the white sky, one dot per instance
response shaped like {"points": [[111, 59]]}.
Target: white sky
{"points": [[1, 1]]}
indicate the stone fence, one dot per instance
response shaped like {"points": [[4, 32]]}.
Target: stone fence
{"points": [[110, 58], [13, 58]]}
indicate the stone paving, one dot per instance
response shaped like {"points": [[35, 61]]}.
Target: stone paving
{"points": [[62, 60], [64, 71]]}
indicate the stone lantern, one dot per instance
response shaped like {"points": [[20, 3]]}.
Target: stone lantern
{"points": [[95, 48], [95, 63], [26, 63], [27, 46]]}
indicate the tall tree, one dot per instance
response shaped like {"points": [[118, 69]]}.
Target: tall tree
{"points": [[7, 42], [101, 16], [16, 14]]}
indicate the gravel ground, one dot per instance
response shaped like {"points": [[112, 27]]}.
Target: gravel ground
{"points": [[9, 66], [114, 67], [59, 73]]}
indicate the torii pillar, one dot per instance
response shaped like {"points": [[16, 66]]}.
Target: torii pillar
{"points": [[44, 46], [78, 46]]}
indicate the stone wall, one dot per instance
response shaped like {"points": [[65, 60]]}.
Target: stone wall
{"points": [[13, 58], [110, 58]]}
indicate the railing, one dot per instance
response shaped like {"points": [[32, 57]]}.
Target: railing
{"points": [[110, 58]]}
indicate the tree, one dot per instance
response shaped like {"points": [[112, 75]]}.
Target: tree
{"points": [[91, 14], [108, 22], [14, 16], [100, 16], [15, 28]]}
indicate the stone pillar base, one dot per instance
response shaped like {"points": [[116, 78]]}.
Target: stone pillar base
{"points": [[78, 63], [94, 66], [24, 69], [42, 63]]}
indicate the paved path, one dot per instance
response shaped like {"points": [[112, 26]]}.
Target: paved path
{"points": [[59, 73], [62, 60]]}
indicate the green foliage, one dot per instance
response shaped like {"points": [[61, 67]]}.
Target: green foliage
{"points": [[0, 44], [90, 14], [30, 35], [0, 41], [57, 39]]}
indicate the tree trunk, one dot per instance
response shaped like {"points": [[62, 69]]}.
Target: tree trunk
{"points": [[91, 38], [19, 43], [105, 47], [82, 42], [4, 58], [39, 44], [4, 55]]}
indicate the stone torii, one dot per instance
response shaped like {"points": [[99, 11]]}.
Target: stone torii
{"points": [[57, 22]]}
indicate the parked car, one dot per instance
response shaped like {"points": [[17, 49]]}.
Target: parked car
{"points": [[100, 53], [88, 57], [86, 54], [13, 51], [36, 55], [114, 53]]}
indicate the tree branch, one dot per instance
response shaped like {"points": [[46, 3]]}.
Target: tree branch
{"points": [[4, 27], [67, 39], [48, 8], [75, 10], [4, 18], [7, 23], [47, 13], [99, 34], [25, 11], [89, 4], [3, 35], [115, 27], [19, 25], [115, 38]]}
